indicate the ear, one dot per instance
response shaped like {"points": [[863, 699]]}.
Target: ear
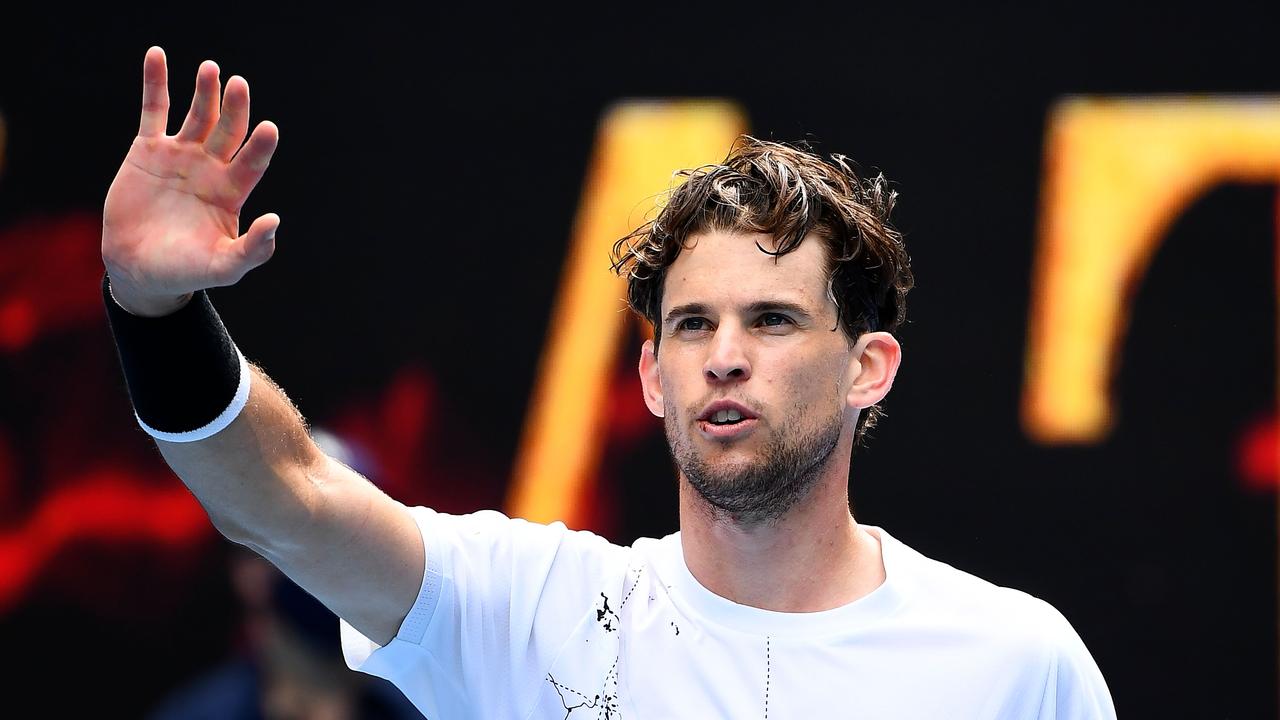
{"points": [[651, 379], [873, 365]]}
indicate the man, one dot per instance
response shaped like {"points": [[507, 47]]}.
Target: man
{"points": [[774, 283]]}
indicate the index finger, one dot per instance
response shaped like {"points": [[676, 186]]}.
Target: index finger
{"points": [[155, 95]]}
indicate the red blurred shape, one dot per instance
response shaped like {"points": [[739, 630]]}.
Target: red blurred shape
{"points": [[50, 275], [17, 323], [1258, 455], [398, 429], [109, 505], [407, 419]]}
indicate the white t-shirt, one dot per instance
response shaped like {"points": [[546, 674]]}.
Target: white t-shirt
{"points": [[521, 620]]}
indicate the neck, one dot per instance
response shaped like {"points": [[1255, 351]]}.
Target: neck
{"points": [[814, 558]]}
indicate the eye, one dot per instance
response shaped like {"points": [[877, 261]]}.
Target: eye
{"points": [[692, 324], [775, 320]]}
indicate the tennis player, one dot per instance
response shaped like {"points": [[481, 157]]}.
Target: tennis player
{"points": [[774, 283]]}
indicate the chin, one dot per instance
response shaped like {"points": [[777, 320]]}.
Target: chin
{"points": [[731, 458]]}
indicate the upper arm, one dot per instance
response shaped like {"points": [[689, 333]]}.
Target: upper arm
{"points": [[501, 599], [1074, 686], [358, 550]]}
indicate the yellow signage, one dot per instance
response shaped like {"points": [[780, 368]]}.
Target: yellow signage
{"points": [[638, 148], [1118, 172]]}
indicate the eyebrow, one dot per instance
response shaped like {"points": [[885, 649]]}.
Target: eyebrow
{"points": [[759, 306]]}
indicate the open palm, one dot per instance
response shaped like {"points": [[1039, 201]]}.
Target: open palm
{"points": [[171, 224]]}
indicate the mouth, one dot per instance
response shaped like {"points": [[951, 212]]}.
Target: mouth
{"points": [[727, 431], [725, 419]]}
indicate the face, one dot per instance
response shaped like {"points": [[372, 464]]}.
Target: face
{"points": [[754, 379]]}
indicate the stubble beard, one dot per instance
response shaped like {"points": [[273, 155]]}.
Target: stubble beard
{"points": [[763, 491]]}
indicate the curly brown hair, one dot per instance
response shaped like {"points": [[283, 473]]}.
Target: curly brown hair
{"points": [[786, 191]]}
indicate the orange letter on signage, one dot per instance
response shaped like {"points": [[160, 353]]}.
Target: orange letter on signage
{"points": [[639, 147], [1118, 173]]}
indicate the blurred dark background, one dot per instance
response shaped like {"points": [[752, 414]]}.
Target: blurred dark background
{"points": [[428, 175]]}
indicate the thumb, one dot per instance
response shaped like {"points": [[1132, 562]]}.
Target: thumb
{"points": [[258, 243]]}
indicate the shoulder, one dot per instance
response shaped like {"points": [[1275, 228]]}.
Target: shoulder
{"points": [[949, 598], [1002, 628], [495, 531], [486, 554]]}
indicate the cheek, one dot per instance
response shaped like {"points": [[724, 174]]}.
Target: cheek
{"points": [[687, 400], [678, 381], [817, 379]]}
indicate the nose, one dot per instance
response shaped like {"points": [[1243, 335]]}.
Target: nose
{"points": [[727, 359]]}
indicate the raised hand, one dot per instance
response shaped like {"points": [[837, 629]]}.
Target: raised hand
{"points": [[171, 224]]}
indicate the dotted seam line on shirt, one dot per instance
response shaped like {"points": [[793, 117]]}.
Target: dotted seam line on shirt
{"points": [[590, 704], [552, 680], [634, 584], [611, 677], [611, 699], [768, 673]]}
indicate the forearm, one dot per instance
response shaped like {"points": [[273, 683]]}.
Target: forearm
{"points": [[257, 477], [228, 431], [266, 485]]}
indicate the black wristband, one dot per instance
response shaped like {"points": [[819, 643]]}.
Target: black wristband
{"points": [[186, 377]]}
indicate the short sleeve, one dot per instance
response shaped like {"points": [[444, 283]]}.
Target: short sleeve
{"points": [[1074, 686], [499, 598]]}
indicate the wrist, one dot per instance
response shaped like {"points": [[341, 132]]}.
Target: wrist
{"points": [[186, 378], [143, 305]]}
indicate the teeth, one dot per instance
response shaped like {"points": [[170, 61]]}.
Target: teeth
{"points": [[724, 416]]}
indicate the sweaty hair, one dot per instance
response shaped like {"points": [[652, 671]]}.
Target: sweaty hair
{"points": [[786, 191]]}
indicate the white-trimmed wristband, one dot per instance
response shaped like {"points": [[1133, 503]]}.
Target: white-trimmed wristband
{"points": [[219, 423], [186, 378]]}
